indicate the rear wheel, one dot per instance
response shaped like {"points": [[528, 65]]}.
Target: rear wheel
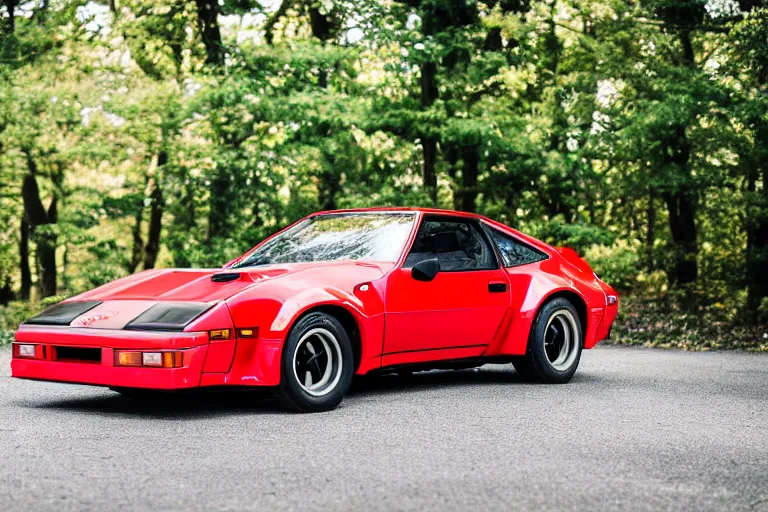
{"points": [[554, 349], [317, 364]]}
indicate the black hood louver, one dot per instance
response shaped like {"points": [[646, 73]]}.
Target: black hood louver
{"points": [[63, 313], [168, 316], [225, 277]]}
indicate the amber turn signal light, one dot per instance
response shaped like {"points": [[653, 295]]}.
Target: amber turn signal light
{"points": [[173, 359], [250, 332], [219, 334], [129, 358]]}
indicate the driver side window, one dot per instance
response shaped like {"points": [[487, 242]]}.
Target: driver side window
{"points": [[457, 245]]}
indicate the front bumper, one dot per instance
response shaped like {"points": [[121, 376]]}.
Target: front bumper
{"points": [[102, 371]]}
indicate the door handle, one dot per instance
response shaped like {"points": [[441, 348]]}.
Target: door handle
{"points": [[497, 287]]}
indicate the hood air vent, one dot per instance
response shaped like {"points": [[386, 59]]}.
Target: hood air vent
{"points": [[225, 277]]}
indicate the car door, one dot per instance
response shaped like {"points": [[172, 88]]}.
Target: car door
{"points": [[456, 314]]}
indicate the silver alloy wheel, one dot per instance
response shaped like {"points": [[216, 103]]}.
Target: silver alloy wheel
{"points": [[561, 340], [317, 361]]}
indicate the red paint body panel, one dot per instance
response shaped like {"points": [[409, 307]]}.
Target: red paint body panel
{"points": [[256, 363], [220, 352], [454, 309], [400, 320]]}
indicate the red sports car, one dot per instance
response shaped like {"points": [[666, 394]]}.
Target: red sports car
{"points": [[333, 295]]}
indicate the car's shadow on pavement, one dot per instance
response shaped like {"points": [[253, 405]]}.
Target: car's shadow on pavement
{"points": [[424, 381], [223, 402], [170, 406]]}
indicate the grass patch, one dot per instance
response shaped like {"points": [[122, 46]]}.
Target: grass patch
{"points": [[668, 322]]}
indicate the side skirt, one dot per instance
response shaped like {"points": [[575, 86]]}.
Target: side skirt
{"points": [[448, 364]]}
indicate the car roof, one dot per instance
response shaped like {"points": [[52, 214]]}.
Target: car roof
{"points": [[395, 209]]}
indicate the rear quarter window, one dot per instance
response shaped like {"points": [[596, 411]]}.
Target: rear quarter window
{"points": [[514, 252]]}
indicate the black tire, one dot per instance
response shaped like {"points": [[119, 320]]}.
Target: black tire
{"points": [[314, 335], [548, 359]]}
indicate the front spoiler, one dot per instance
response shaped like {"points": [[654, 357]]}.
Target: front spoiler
{"points": [[256, 362], [106, 374]]}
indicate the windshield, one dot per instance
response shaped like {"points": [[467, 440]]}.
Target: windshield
{"points": [[342, 236]]}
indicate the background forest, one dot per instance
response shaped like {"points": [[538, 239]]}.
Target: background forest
{"points": [[145, 133]]}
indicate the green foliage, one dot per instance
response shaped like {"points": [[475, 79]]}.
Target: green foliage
{"points": [[635, 133], [578, 236], [16, 312], [618, 264], [677, 322], [12, 315]]}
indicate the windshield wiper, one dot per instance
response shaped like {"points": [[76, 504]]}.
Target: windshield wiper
{"points": [[254, 262]]}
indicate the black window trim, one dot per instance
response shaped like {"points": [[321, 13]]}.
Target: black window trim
{"points": [[497, 261], [489, 233]]}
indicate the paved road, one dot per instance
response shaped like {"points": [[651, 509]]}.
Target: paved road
{"points": [[637, 429]]}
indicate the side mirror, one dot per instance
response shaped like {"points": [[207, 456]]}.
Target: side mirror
{"points": [[425, 270]]}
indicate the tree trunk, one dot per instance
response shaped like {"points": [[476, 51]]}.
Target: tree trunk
{"points": [[6, 292], [208, 21], [323, 26], [681, 200], [46, 248], [10, 21], [138, 240], [689, 56], [757, 227], [37, 216], [218, 214], [329, 187], [469, 172], [155, 227], [156, 208], [429, 94], [681, 204], [428, 172], [26, 273], [650, 236], [757, 231], [683, 226]]}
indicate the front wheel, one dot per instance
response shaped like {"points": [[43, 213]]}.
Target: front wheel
{"points": [[554, 348], [317, 364]]}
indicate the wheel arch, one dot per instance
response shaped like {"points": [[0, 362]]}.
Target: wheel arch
{"points": [[345, 317], [574, 298]]}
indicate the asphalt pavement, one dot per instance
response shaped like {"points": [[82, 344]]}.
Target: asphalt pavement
{"points": [[637, 429]]}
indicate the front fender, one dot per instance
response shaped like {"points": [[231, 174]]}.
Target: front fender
{"points": [[366, 308], [275, 317]]}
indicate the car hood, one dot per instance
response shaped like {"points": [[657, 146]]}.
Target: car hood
{"points": [[213, 285]]}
